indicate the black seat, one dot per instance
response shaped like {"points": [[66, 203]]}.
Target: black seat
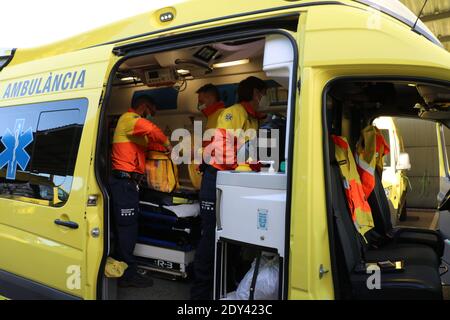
{"points": [[409, 236], [418, 280]]}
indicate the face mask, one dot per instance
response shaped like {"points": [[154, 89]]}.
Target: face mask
{"points": [[264, 102], [200, 107]]}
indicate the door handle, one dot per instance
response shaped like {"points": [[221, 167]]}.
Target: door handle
{"points": [[68, 224], [322, 271]]}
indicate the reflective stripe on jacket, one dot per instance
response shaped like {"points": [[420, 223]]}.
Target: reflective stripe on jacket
{"points": [[356, 199], [370, 151], [130, 141]]}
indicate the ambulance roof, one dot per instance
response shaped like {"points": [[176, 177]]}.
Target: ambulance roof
{"points": [[187, 14]]}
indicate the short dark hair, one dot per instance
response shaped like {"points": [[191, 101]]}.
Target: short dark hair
{"points": [[138, 99], [246, 87], [210, 88]]}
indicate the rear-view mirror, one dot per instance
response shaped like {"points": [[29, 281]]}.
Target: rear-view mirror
{"points": [[403, 161]]}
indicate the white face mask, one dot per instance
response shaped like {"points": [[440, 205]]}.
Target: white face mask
{"points": [[201, 107], [264, 102]]}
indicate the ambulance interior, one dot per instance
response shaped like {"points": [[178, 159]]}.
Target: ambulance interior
{"points": [[413, 262], [170, 223]]}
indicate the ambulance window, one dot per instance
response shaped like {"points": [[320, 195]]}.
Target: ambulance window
{"points": [[56, 134], [387, 158], [38, 149]]}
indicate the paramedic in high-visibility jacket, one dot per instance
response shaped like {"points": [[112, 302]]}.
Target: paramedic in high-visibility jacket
{"points": [[131, 139], [243, 115], [209, 104]]}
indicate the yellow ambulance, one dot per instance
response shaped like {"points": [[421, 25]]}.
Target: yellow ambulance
{"points": [[332, 68]]}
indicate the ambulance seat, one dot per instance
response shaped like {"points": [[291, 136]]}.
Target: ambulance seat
{"points": [[420, 278], [382, 219]]}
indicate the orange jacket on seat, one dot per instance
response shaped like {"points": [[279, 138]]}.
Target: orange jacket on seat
{"points": [[356, 199], [370, 152], [131, 138]]}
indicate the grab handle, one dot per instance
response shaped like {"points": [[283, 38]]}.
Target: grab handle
{"points": [[218, 204], [67, 224]]}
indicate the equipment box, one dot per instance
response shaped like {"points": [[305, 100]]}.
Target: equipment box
{"points": [[251, 214], [251, 208]]}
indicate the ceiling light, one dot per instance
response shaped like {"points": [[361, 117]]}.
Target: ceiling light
{"points": [[183, 71], [129, 79], [231, 63], [165, 17]]}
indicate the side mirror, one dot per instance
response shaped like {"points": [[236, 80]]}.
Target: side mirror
{"points": [[403, 161]]}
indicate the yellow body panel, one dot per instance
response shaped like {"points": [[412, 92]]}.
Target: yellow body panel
{"points": [[338, 43], [186, 13], [333, 40], [33, 247]]}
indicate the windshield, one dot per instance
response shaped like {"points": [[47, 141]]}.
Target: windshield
{"points": [[399, 11], [5, 57]]}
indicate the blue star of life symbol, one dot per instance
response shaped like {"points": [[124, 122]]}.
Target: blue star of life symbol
{"points": [[15, 143]]}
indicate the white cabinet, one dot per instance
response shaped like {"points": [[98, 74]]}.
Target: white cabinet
{"points": [[251, 208]]}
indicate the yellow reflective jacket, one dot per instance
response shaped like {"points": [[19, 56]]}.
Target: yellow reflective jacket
{"points": [[356, 199], [240, 116], [370, 152]]}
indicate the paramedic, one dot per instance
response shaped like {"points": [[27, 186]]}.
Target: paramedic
{"points": [[243, 115], [211, 106], [131, 138]]}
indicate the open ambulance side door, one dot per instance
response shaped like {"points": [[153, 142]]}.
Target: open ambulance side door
{"points": [[310, 272], [51, 241], [444, 183], [444, 178]]}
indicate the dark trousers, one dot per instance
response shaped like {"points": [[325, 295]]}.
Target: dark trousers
{"points": [[125, 214], [202, 288]]}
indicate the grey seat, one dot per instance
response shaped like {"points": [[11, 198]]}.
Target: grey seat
{"points": [[420, 277], [383, 226]]}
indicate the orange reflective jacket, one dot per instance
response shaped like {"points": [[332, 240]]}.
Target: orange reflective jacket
{"points": [[131, 138], [356, 199], [370, 151], [223, 149]]}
